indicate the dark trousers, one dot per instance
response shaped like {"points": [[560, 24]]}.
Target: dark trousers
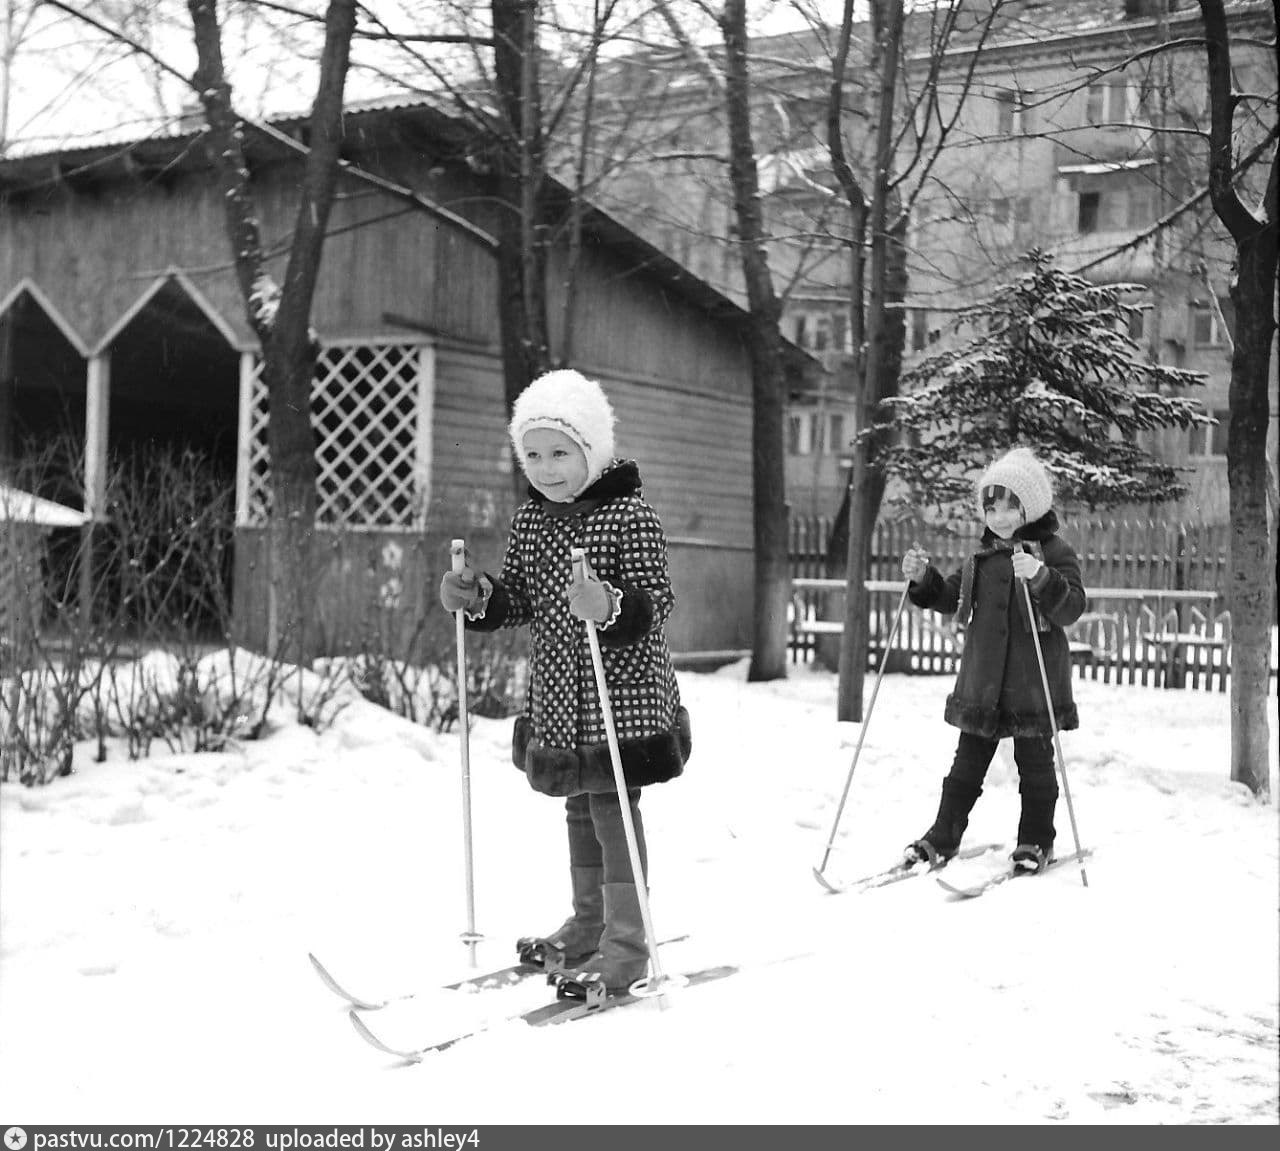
{"points": [[1033, 754], [1037, 783], [598, 838]]}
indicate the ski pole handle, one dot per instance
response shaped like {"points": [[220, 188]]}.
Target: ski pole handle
{"points": [[458, 555]]}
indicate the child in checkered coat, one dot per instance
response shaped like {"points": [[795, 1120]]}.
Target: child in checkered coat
{"points": [[580, 496]]}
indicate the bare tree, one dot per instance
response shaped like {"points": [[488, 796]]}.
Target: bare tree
{"points": [[906, 142], [772, 581], [864, 492], [519, 150], [525, 103], [280, 315], [1251, 593], [15, 20], [764, 343]]}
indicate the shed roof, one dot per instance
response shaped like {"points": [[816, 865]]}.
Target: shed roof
{"points": [[129, 158]]}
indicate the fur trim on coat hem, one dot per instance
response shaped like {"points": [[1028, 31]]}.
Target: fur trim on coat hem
{"points": [[992, 723], [563, 772]]}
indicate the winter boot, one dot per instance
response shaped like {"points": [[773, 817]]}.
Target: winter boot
{"points": [[578, 936], [1031, 857], [623, 956], [942, 840], [1035, 825]]}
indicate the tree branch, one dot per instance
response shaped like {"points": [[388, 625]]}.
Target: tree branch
{"points": [[398, 191], [1237, 219], [1190, 202]]}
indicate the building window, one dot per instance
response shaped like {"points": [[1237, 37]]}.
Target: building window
{"points": [[840, 331], [1000, 210], [809, 434], [1095, 104], [1108, 103], [1087, 213], [370, 414], [1026, 114], [835, 440], [1012, 113], [919, 328], [1206, 328], [1118, 103], [1137, 326], [1206, 443], [800, 433], [820, 331], [1006, 112]]}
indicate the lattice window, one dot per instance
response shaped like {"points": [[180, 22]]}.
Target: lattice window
{"points": [[370, 408]]}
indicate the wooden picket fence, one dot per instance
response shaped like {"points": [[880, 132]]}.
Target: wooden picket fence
{"points": [[1156, 614]]}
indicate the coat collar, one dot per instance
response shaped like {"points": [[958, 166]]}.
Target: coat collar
{"points": [[620, 478], [1035, 532]]}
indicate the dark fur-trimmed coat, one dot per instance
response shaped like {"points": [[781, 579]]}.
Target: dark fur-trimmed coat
{"points": [[560, 741], [998, 690]]}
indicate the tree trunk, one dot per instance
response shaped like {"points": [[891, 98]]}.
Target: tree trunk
{"points": [[281, 316], [290, 352], [1251, 593], [519, 150], [866, 488], [764, 345]]}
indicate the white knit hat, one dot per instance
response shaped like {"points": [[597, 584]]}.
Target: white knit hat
{"points": [[1025, 477], [567, 402]]}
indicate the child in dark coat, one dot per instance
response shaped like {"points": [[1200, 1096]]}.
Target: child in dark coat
{"points": [[581, 497], [999, 692]]}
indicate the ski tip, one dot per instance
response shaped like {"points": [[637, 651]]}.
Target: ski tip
{"points": [[337, 988], [959, 892], [363, 1030], [327, 979], [822, 879]]}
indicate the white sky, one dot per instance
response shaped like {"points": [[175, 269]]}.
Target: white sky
{"points": [[155, 920], [69, 85]]}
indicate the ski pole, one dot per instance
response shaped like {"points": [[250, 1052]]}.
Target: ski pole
{"points": [[857, 751], [470, 937], [653, 985], [1053, 724]]}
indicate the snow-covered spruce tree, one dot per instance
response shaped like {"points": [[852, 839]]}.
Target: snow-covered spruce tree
{"points": [[1050, 366]]}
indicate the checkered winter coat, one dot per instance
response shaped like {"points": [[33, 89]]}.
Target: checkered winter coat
{"points": [[560, 742]]}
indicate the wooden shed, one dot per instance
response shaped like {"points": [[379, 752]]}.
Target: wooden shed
{"points": [[120, 318]]}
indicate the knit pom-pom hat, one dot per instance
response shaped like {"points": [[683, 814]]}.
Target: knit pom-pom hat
{"points": [[1022, 474], [567, 402]]}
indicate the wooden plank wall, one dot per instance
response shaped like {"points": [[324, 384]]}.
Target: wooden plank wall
{"points": [[678, 375]]}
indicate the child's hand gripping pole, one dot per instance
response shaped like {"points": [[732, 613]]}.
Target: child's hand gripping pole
{"points": [[1053, 721], [458, 561], [657, 982]]}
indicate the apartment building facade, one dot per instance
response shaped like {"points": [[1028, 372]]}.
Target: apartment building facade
{"points": [[1068, 128]]}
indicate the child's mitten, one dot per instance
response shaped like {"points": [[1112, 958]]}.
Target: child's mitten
{"points": [[460, 590]]}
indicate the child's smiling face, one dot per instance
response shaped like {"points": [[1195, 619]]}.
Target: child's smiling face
{"points": [[554, 463], [1003, 514]]}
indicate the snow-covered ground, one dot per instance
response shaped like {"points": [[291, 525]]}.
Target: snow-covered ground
{"points": [[156, 917]]}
